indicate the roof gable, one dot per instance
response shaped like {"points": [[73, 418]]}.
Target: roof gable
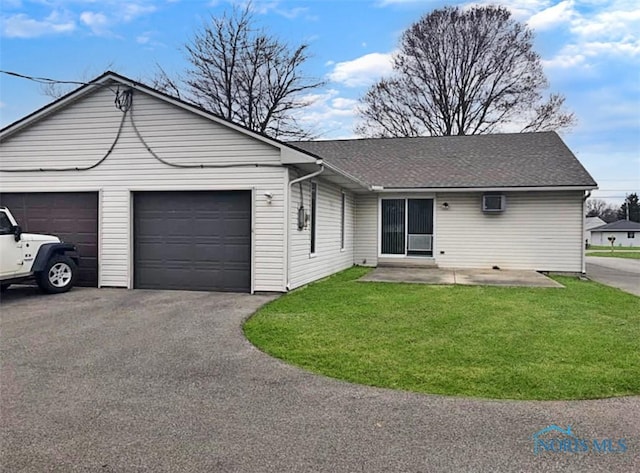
{"points": [[289, 155], [593, 222]]}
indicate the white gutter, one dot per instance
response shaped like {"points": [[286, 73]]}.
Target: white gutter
{"points": [[347, 175], [478, 189], [288, 213], [584, 250]]}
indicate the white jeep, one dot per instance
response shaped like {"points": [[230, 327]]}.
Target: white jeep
{"points": [[23, 256]]}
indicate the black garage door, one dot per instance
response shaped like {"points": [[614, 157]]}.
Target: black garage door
{"points": [[72, 216], [193, 240]]}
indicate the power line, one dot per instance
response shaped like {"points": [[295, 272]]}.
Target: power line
{"points": [[43, 80]]}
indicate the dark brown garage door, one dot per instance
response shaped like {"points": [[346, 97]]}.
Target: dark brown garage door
{"points": [[193, 240], [72, 216]]}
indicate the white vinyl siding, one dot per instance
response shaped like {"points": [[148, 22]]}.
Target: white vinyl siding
{"points": [[80, 134], [622, 238], [328, 257], [538, 230], [366, 237]]}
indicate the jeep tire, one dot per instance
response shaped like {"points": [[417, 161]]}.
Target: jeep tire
{"points": [[58, 275]]}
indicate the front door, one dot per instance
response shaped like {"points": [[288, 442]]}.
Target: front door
{"points": [[407, 227], [11, 262]]}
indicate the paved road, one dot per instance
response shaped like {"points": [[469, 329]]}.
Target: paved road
{"points": [[126, 381], [617, 272]]}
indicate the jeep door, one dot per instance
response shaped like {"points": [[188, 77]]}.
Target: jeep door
{"points": [[11, 261]]}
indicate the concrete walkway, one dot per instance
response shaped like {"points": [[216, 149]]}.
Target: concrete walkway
{"points": [[485, 277], [163, 381], [616, 272]]}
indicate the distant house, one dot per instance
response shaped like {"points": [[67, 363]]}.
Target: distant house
{"points": [[626, 233], [158, 193], [589, 224]]}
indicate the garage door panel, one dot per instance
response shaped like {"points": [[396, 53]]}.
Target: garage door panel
{"points": [[72, 216], [193, 240], [236, 254]]}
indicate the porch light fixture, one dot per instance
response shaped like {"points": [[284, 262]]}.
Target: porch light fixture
{"points": [[269, 196], [445, 205]]}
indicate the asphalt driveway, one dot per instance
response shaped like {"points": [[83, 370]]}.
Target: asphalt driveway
{"points": [[123, 381], [617, 272]]}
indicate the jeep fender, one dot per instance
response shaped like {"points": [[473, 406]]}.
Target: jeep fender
{"points": [[47, 250]]}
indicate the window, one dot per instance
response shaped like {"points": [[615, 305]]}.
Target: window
{"points": [[342, 220], [314, 211], [631, 234], [5, 224]]}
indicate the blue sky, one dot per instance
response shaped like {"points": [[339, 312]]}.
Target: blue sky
{"points": [[590, 50]]}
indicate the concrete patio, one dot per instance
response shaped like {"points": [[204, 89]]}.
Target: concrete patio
{"points": [[474, 277]]}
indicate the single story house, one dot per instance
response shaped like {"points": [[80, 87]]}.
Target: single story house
{"points": [[625, 232], [158, 193], [589, 224]]}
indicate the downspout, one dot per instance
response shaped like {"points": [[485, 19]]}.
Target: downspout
{"points": [[584, 261], [288, 230]]}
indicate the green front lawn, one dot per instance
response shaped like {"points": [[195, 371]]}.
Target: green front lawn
{"points": [[579, 342], [615, 248], [616, 254]]}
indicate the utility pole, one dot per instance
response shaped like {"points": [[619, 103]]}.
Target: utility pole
{"points": [[626, 204]]}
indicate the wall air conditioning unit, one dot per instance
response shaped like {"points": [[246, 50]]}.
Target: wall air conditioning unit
{"points": [[493, 203]]}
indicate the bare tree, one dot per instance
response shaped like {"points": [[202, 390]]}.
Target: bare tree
{"points": [[163, 82], [245, 75], [461, 72], [600, 208]]}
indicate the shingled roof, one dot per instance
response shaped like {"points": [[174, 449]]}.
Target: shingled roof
{"points": [[619, 226], [479, 161]]}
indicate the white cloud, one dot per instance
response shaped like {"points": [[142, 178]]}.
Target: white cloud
{"points": [[611, 23], [98, 22], [344, 103], [147, 39], [385, 3], [131, 10], [65, 14], [613, 31], [292, 13], [22, 26], [328, 113], [565, 60], [362, 71], [558, 14]]}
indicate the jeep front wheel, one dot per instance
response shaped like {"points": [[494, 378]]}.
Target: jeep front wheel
{"points": [[58, 275]]}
